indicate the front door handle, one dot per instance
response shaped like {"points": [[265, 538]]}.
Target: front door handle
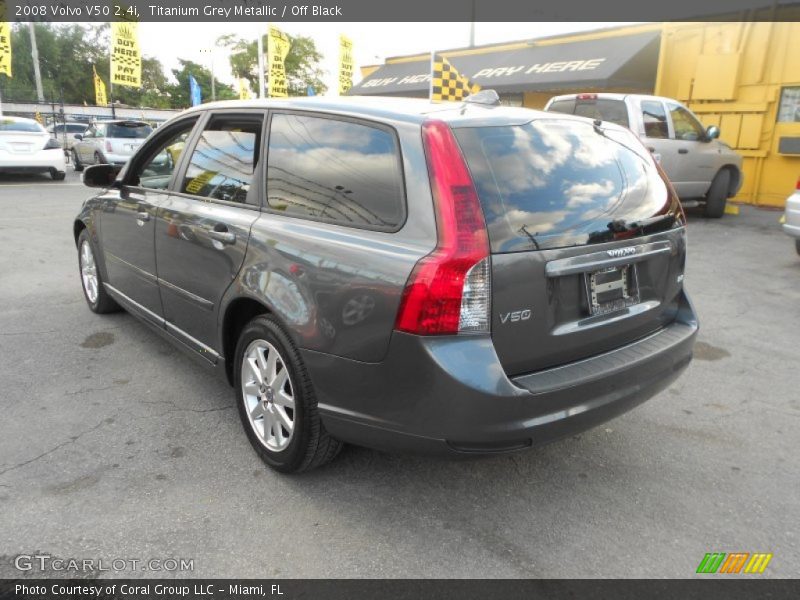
{"points": [[683, 151], [224, 237]]}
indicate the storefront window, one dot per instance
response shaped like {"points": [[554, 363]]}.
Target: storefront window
{"points": [[510, 99], [789, 111]]}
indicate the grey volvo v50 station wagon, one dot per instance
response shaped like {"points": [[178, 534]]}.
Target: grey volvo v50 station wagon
{"points": [[458, 279]]}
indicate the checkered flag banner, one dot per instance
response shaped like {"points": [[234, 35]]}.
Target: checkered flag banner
{"points": [[126, 55], [447, 84]]}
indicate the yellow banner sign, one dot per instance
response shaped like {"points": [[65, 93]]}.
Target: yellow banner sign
{"points": [[244, 89], [126, 55], [100, 96], [345, 64], [277, 48], [5, 48]]}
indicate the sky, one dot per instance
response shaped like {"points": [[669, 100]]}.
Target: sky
{"points": [[372, 42]]}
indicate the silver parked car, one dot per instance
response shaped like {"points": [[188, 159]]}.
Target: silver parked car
{"points": [[791, 218], [65, 133], [703, 169], [111, 142]]}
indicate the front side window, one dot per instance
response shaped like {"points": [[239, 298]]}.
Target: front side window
{"points": [[156, 171], [337, 171], [224, 160], [654, 118], [687, 128]]}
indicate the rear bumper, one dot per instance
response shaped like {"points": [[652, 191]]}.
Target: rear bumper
{"points": [[41, 161], [116, 159], [451, 395], [791, 225]]}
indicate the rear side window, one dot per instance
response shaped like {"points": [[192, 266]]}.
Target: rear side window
{"points": [[655, 120], [337, 171], [554, 183], [224, 160], [128, 130], [613, 111]]}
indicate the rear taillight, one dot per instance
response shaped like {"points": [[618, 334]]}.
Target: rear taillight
{"points": [[797, 187], [109, 147], [449, 290]]}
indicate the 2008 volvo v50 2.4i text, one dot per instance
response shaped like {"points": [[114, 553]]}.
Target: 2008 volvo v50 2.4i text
{"points": [[398, 274]]}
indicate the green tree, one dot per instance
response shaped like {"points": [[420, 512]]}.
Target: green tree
{"points": [[66, 56], [180, 92], [302, 62]]}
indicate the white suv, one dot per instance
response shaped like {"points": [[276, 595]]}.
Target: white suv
{"points": [[111, 142]]}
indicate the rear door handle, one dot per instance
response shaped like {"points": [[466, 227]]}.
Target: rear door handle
{"points": [[224, 237], [683, 151]]}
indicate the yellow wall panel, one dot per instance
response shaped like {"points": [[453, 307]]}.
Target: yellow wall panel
{"points": [[715, 77], [750, 131], [729, 129]]}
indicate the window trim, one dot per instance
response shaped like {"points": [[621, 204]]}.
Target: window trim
{"points": [[160, 134], [667, 120], [381, 126], [674, 137], [256, 188]]}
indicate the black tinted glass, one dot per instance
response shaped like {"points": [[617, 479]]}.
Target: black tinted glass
{"points": [[562, 106], [604, 109], [123, 130], [224, 159], [28, 127], [555, 183], [337, 171]]}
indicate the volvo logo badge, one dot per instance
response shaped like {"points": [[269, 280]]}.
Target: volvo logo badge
{"points": [[619, 252]]}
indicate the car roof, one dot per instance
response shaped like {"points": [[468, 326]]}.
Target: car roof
{"points": [[613, 96], [117, 121], [415, 110]]}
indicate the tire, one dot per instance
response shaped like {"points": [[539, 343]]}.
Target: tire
{"points": [[96, 296], [98, 159], [77, 165], [718, 195], [797, 245], [57, 175], [272, 390]]}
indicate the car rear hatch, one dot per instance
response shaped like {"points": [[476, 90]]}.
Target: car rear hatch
{"points": [[587, 238], [126, 137]]}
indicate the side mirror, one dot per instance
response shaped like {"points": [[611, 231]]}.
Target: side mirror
{"points": [[100, 176], [78, 136], [712, 132]]}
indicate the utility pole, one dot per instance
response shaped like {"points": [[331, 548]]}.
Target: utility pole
{"points": [[211, 60], [37, 74], [472, 26]]}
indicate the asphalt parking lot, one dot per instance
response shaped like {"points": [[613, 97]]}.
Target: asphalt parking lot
{"points": [[115, 445]]}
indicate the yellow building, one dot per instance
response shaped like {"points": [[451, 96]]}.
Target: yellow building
{"points": [[742, 77]]}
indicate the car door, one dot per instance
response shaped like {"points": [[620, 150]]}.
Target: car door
{"points": [[81, 145], [202, 229], [654, 130], [95, 149], [127, 221], [691, 160]]}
